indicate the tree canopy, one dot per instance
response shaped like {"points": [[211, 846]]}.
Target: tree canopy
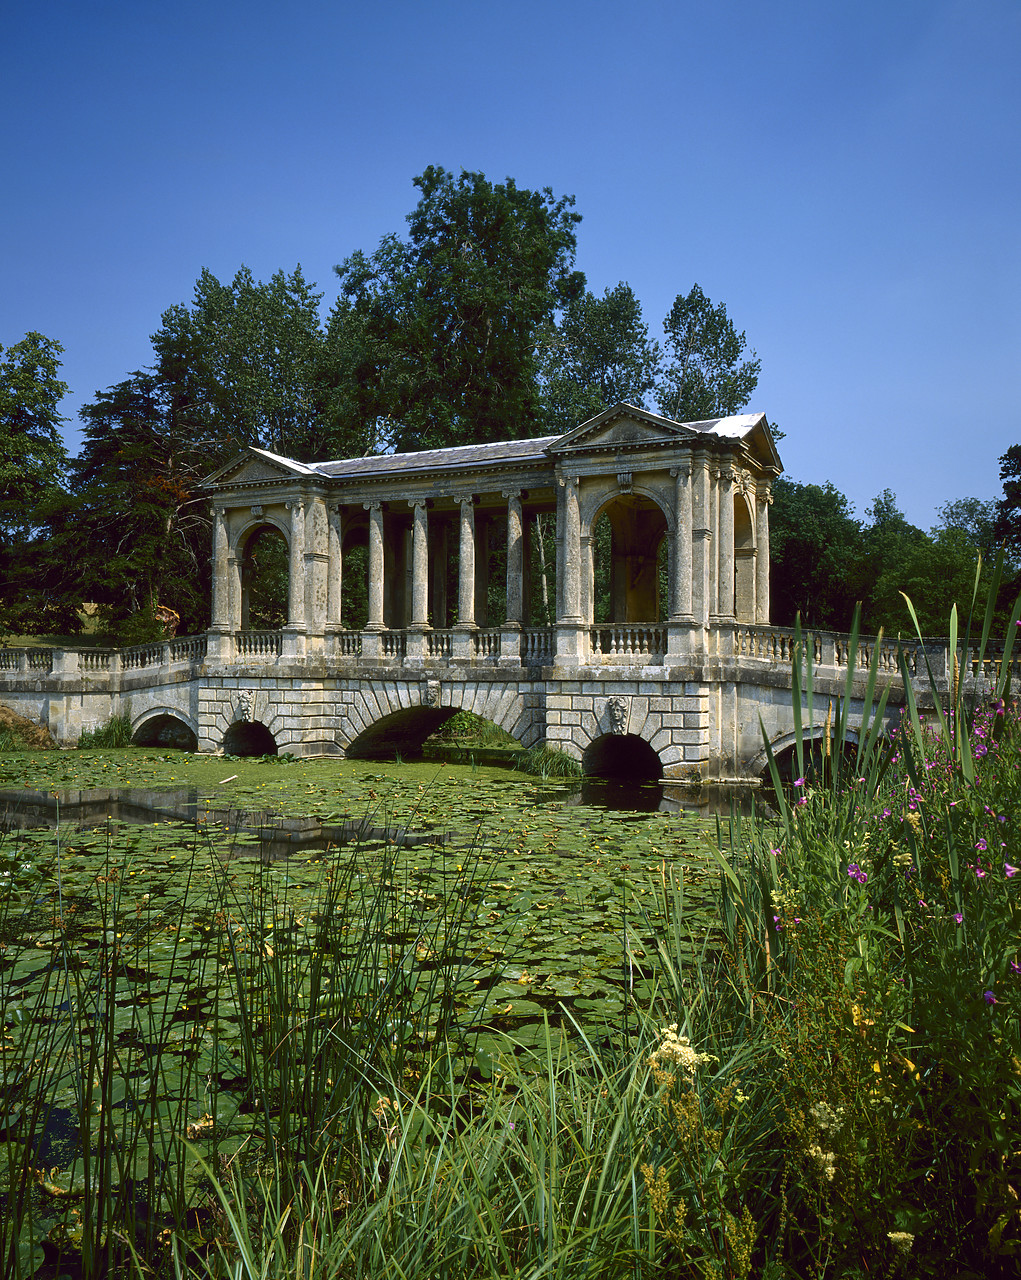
{"points": [[32, 464], [707, 377], [444, 326]]}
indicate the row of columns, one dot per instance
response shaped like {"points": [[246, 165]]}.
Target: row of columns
{"points": [[705, 565]]}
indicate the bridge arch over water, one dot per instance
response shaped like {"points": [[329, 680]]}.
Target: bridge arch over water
{"points": [[479, 594]]}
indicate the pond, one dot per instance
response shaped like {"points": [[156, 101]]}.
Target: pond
{"points": [[165, 939]]}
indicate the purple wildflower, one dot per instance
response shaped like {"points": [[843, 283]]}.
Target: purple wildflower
{"points": [[989, 998], [959, 917], [1008, 870]]}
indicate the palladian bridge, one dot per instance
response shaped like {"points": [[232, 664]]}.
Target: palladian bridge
{"points": [[604, 592]]}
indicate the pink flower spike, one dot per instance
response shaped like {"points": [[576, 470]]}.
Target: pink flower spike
{"points": [[1008, 870]]}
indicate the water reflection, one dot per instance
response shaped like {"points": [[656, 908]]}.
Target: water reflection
{"points": [[277, 836], [622, 795], [284, 837]]}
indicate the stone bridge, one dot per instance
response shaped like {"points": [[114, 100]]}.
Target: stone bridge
{"points": [[605, 593]]}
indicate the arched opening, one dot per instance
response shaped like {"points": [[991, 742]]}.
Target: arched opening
{"points": [[400, 734], [249, 738], [354, 580], [165, 731], [265, 580], [629, 569], [744, 561], [621, 755]]}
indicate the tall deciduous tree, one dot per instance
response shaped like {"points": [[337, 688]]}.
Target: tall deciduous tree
{"points": [[707, 377], [443, 327], [244, 363], [32, 463], [598, 354]]}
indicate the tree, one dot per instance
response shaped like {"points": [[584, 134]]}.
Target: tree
{"points": [[599, 354], [136, 531], [815, 547], [442, 329], [32, 463], [244, 363], [708, 378]]}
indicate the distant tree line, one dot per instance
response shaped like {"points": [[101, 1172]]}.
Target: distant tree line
{"points": [[475, 326]]}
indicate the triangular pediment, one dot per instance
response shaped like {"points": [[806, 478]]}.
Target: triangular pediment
{"points": [[626, 427], [256, 466], [622, 426]]}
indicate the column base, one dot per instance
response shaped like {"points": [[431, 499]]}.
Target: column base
{"points": [[220, 645], [510, 645], [572, 643], [462, 648]]}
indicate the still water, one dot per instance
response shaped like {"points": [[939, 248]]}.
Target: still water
{"points": [[280, 837]]}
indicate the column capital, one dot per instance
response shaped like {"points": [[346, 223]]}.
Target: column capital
{"points": [[375, 505], [568, 480], [295, 504], [511, 493], [682, 469]]}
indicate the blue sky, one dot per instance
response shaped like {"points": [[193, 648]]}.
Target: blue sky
{"points": [[846, 178]]}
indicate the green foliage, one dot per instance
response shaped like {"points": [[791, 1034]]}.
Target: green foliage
{"points": [[32, 463], [598, 355], [244, 364], [708, 378], [549, 762], [814, 551], [115, 733], [134, 531], [439, 332]]}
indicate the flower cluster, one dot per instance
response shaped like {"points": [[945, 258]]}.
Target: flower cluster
{"points": [[856, 873], [674, 1051]]}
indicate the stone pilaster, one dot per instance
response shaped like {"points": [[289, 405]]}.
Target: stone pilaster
{"points": [[293, 641], [763, 498], [701, 542]]}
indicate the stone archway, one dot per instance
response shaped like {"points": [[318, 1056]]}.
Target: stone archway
{"points": [[621, 755], [628, 533], [264, 563], [249, 738], [744, 560]]}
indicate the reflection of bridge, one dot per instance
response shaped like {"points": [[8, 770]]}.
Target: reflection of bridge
{"points": [[656, 654]]}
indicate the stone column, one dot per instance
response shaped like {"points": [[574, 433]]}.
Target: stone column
{"points": [[510, 637], [419, 625], [420, 565], [375, 558], [220, 642], [293, 645], [335, 570], [681, 619], [570, 624], [371, 647], [461, 647], [763, 497]]}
